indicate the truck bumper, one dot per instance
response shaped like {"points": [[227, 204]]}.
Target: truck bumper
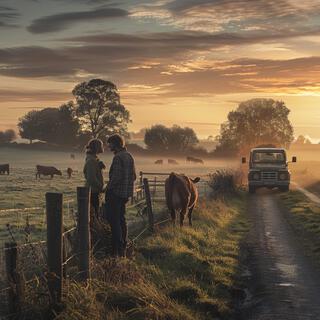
{"points": [[269, 184]]}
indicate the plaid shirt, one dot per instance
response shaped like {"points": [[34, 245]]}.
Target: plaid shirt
{"points": [[122, 174]]}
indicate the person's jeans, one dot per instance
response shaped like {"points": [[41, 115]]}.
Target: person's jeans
{"points": [[115, 209]]}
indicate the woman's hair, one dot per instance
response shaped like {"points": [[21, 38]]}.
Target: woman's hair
{"points": [[94, 146], [116, 140]]}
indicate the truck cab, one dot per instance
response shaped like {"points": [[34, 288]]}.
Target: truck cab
{"points": [[268, 167]]}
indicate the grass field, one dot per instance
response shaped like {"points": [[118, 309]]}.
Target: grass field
{"points": [[304, 216], [179, 273]]}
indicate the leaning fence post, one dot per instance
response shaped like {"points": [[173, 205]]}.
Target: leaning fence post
{"points": [[83, 198], [16, 283], [54, 245], [149, 203]]}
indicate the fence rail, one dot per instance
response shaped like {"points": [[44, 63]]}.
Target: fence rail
{"points": [[59, 252]]}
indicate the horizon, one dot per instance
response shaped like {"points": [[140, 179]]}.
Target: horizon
{"points": [[188, 62]]}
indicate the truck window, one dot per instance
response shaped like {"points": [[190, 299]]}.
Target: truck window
{"points": [[263, 157]]}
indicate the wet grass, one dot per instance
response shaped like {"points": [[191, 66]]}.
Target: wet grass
{"points": [[304, 217], [177, 273]]}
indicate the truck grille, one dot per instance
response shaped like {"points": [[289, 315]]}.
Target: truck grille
{"points": [[269, 176]]}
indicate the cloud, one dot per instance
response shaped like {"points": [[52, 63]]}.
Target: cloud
{"points": [[240, 15], [7, 15], [62, 21]]}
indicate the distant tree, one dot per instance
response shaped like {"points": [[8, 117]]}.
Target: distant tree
{"points": [[7, 136], [302, 140], [29, 125], [255, 122], [52, 125], [98, 108], [175, 139]]}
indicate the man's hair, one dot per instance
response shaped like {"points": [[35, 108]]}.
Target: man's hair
{"points": [[94, 146], [116, 140]]}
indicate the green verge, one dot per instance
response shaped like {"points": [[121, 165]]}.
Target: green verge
{"points": [[177, 273], [304, 217]]}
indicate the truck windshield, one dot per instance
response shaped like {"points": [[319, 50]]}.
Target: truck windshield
{"points": [[267, 157]]}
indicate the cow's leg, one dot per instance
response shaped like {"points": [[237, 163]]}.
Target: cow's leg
{"points": [[190, 215], [182, 214], [52, 176], [173, 216]]}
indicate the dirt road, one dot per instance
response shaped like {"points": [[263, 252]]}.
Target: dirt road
{"points": [[285, 283]]}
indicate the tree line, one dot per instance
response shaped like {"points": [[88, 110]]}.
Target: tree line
{"points": [[96, 111]]}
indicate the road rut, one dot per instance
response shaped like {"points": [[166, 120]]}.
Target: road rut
{"points": [[285, 282]]}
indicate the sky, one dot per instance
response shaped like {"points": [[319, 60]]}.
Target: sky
{"points": [[184, 62]]}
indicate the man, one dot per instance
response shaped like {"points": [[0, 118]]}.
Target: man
{"points": [[119, 189]]}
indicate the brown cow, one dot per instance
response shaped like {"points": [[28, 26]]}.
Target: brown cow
{"points": [[47, 171], [4, 168], [69, 172], [194, 160], [181, 194], [172, 161], [160, 161], [72, 156]]}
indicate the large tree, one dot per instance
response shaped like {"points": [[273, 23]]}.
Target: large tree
{"points": [[174, 140], [52, 125], [99, 109], [255, 122]]}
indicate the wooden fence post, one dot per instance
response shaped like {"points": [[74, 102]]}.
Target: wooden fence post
{"points": [[16, 283], [83, 198], [149, 203], [54, 245], [141, 184]]}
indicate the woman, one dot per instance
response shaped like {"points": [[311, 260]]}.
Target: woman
{"points": [[93, 173]]}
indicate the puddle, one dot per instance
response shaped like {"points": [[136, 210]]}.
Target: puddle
{"points": [[285, 284]]}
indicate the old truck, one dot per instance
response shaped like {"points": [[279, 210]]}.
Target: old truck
{"points": [[268, 167]]}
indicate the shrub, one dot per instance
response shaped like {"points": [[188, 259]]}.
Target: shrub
{"points": [[225, 182]]}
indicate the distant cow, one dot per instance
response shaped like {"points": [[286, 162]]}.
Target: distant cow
{"points": [[47, 171], [172, 161], [160, 161], [69, 172], [194, 160], [181, 194], [72, 156], [4, 168]]}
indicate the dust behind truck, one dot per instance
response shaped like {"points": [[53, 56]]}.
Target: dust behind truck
{"points": [[268, 167]]}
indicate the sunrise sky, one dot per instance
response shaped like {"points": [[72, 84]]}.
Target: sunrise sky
{"points": [[185, 62]]}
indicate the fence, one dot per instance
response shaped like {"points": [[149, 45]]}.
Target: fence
{"points": [[54, 255]]}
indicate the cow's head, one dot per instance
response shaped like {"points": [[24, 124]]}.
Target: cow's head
{"points": [[196, 180]]}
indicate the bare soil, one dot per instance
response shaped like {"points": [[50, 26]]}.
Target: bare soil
{"points": [[285, 283]]}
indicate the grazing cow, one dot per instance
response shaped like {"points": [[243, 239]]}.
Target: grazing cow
{"points": [[172, 161], [4, 168], [194, 160], [69, 172], [47, 171], [181, 194], [160, 161], [72, 156]]}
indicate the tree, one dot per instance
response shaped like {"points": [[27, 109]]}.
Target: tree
{"points": [[301, 140], [99, 109], [29, 125], [52, 125], [7, 136], [255, 122], [175, 139]]}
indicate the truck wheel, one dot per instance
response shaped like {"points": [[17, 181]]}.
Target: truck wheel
{"points": [[252, 189], [284, 189]]}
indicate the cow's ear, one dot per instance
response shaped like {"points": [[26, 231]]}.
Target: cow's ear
{"points": [[197, 179]]}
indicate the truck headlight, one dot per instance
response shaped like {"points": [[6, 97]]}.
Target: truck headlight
{"points": [[283, 176], [256, 176]]}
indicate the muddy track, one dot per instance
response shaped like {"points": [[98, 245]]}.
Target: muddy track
{"points": [[285, 284]]}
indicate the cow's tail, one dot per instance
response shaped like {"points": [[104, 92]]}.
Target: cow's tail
{"points": [[169, 187], [196, 180]]}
